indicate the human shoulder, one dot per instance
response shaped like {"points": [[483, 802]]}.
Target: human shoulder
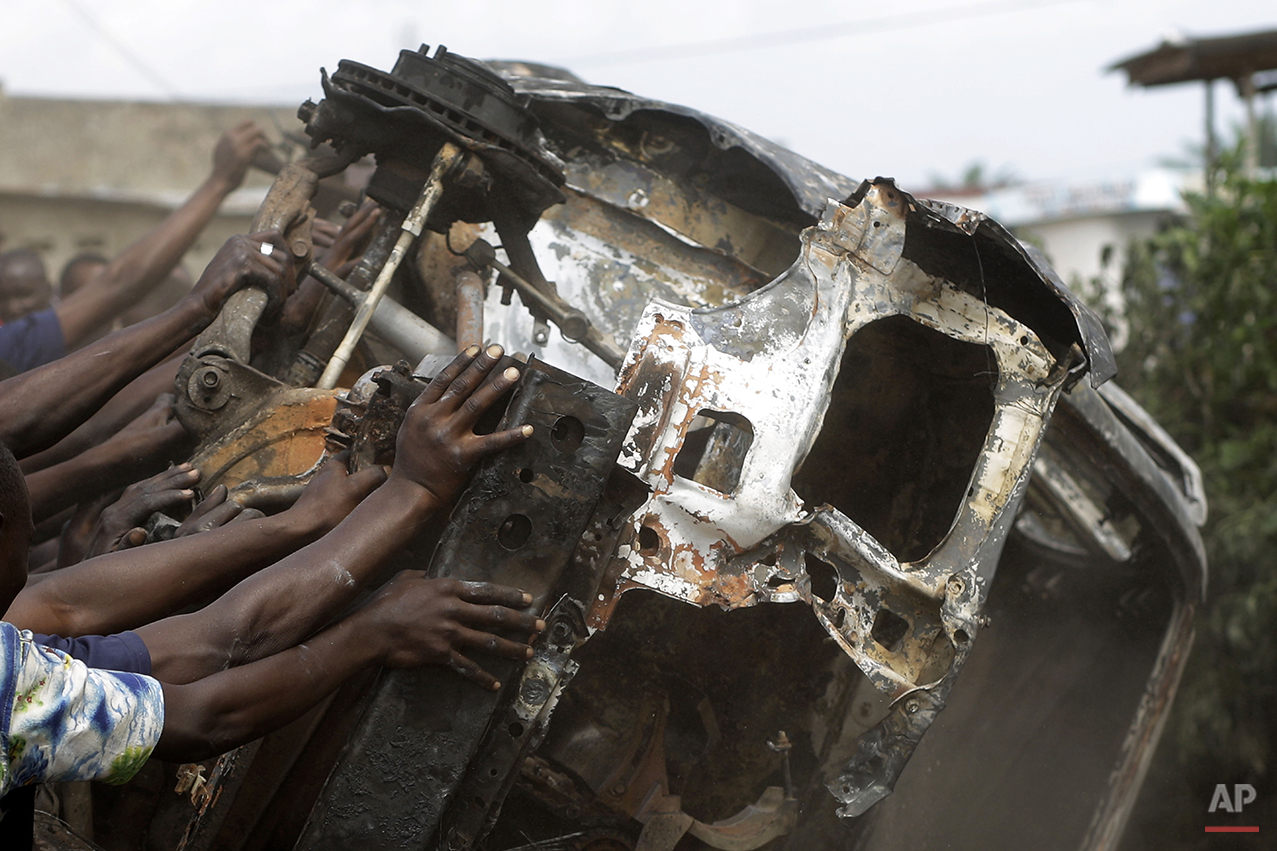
{"points": [[33, 340], [65, 721]]}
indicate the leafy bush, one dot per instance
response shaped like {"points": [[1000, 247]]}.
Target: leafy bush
{"points": [[1201, 303]]}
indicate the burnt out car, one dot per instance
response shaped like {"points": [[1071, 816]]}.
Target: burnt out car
{"points": [[829, 496]]}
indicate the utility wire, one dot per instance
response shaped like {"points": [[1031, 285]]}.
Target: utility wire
{"points": [[816, 32], [125, 52]]}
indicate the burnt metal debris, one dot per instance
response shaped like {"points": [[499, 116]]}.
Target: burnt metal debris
{"points": [[809, 452], [515, 524]]}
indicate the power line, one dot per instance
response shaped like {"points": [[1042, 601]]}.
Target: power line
{"points": [[123, 50], [817, 32]]}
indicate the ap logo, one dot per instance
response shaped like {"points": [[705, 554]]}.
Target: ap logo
{"points": [[1243, 794]]}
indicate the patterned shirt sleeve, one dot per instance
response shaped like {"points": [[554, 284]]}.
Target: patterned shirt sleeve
{"points": [[62, 720]]}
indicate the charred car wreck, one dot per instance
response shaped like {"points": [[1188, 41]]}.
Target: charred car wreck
{"points": [[819, 468]]}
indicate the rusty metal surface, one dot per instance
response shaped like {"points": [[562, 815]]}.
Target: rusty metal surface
{"points": [[282, 441], [806, 187], [445, 163], [470, 293], [514, 524], [1092, 422], [1077, 669], [421, 104], [765, 367]]}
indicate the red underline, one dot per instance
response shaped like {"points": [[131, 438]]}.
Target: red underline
{"points": [[1233, 829]]}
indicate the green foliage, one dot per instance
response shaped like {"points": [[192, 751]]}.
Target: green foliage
{"points": [[976, 176], [1202, 358]]}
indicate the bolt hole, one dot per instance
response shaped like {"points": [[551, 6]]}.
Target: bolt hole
{"points": [[714, 450], [526, 475], [823, 576], [492, 772], [1024, 341], [514, 532], [890, 630], [649, 542], [960, 636], [567, 434], [515, 730]]}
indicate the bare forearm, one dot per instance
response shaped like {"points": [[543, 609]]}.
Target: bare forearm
{"points": [[288, 601], [159, 251], [44, 405], [236, 706], [124, 590], [126, 405], [128, 457], [308, 588], [141, 266]]}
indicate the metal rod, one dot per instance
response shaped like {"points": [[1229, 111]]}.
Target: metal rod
{"points": [[574, 324], [328, 331], [447, 157], [403, 329], [469, 309]]}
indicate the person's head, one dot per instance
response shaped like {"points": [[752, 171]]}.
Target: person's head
{"points": [[79, 270], [24, 284], [15, 527]]}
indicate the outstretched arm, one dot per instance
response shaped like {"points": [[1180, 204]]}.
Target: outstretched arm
{"points": [[141, 266], [123, 590], [145, 447], [282, 605], [44, 405], [406, 625]]}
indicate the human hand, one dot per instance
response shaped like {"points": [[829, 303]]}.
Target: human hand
{"points": [[333, 493], [235, 151], [323, 233], [436, 445], [352, 240], [119, 526], [77, 533], [241, 263], [213, 511], [426, 621]]}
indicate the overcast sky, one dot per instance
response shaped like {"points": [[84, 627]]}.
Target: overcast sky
{"points": [[908, 88]]}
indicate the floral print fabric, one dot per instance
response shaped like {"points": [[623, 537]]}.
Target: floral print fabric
{"points": [[61, 720]]}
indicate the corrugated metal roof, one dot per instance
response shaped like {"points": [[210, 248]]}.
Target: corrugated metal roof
{"points": [[1198, 59]]}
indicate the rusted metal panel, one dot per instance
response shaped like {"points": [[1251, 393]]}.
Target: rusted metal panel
{"points": [[276, 447], [515, 524]]}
